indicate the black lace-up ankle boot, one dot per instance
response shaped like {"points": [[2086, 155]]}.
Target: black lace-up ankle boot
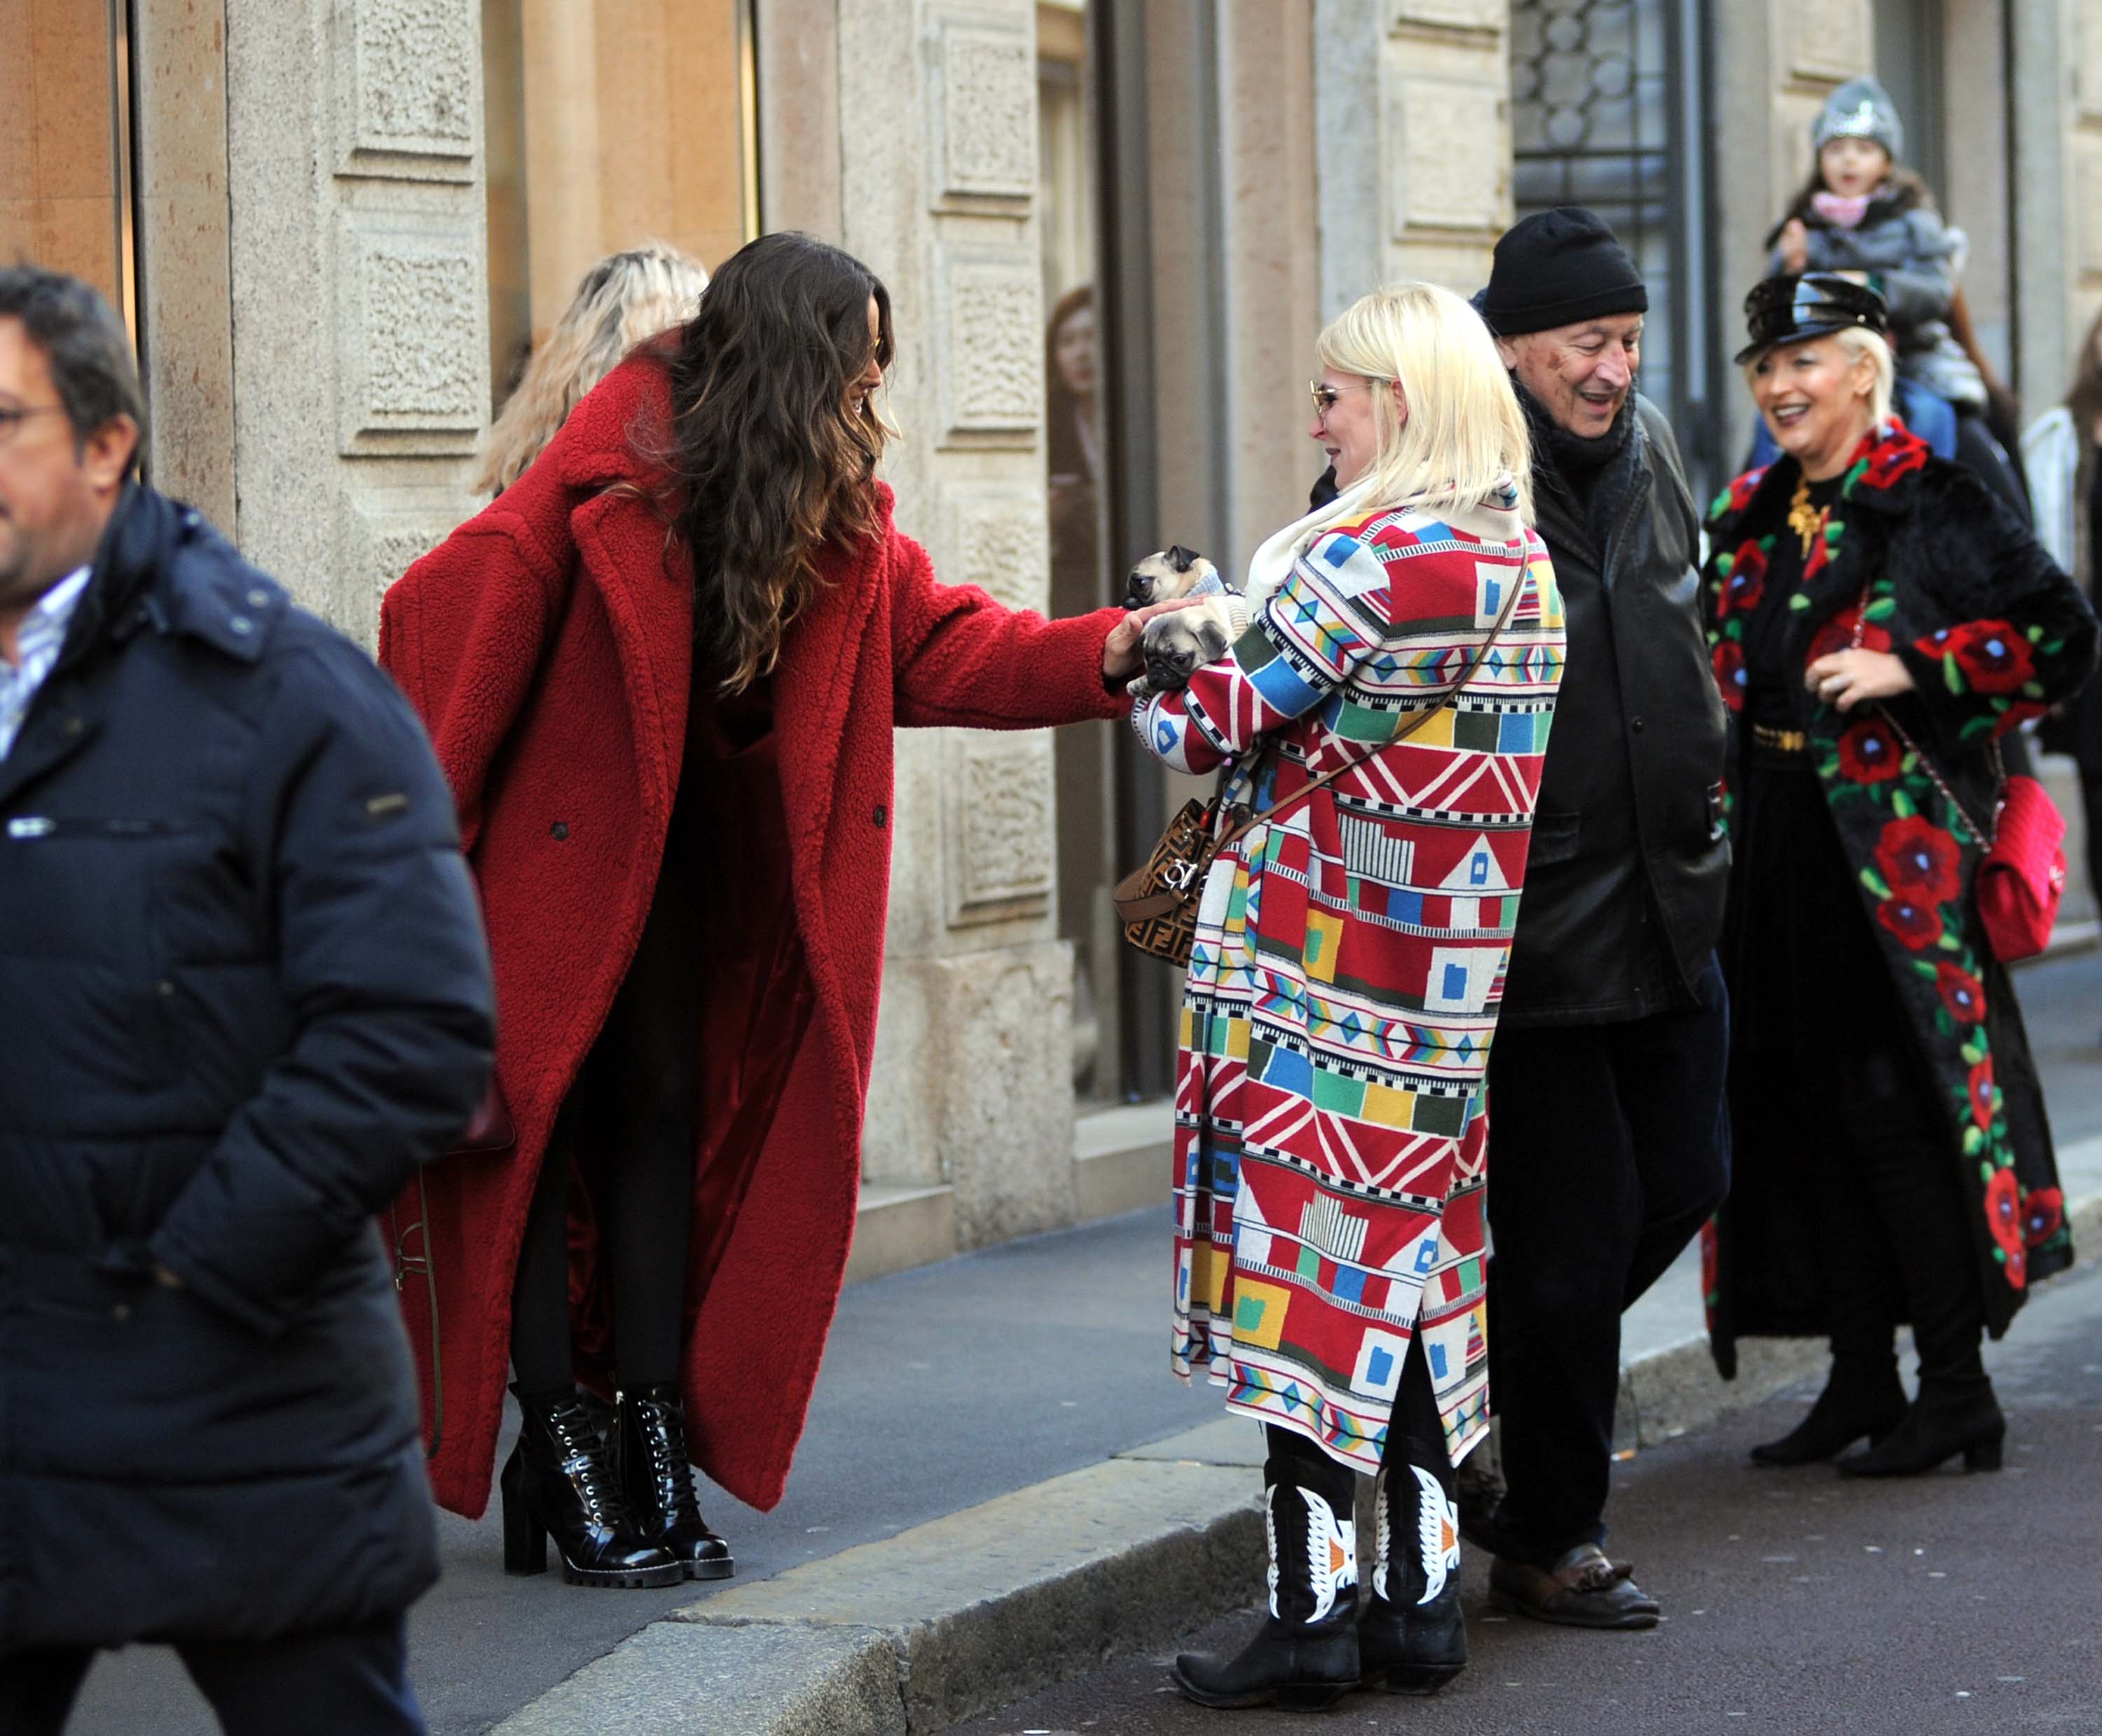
{"points": [[1305, 1656], [1413, 1638], [557, 1482], [650, 1456]]}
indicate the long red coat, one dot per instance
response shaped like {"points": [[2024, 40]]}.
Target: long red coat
{"points": [[548, 645]]}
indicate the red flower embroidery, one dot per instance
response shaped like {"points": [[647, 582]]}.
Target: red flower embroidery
{"points": [[2003, 1211], [1916, 924], [1738, 495], [1990, 655], [1836, 634], [1891, 457], [1917, 860], [1961, 993], [2043, 1210], [1747, 583], [1729, 661], [2018, 1269], [1868, 752], [1983, 1092]]}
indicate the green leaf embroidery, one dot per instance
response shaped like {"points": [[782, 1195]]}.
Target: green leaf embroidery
{"points": [[1874, 882], [1951, 674], [1901, 805]]}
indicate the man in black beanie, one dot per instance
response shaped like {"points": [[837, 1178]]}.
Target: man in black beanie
{"points": [[1607, 1149]]}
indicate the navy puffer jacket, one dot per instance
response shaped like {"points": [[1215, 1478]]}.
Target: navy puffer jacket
{"points": [[243, 991]]}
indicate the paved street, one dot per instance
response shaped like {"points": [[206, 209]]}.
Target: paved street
{"points": [[945, 1387], [1795, 1602]]}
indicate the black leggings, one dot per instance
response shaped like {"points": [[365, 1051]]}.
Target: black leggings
{"points": [[637, 1092]]}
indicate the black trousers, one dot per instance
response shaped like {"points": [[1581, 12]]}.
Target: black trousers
{"points": [[346, 1683], [637, 1092], [1608, 1149]]}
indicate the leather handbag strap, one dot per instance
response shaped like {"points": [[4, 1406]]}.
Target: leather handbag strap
{"points": [[1264, 816]]}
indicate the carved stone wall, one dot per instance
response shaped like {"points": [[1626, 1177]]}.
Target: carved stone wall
{"points": [[939, 174], [360, 287], [1444, 137]]}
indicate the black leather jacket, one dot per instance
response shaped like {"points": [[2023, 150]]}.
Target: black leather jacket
{"points": [[1625, 885]]}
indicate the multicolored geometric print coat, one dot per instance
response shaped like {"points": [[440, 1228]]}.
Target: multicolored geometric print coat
{"points": [[1331, 1132], [1940, 573]]}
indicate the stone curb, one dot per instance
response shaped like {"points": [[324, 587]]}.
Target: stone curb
{"points": [[977, 1608]]}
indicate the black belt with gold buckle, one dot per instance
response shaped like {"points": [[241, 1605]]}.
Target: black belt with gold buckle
{"points": [[1780, 741]]}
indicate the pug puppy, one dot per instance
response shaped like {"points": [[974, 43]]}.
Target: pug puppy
{"points": [[1174, 644]]}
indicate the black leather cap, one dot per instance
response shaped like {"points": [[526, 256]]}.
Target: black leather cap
{"points": [[1802, 305]]}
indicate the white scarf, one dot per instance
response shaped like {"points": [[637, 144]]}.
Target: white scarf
{"points": [[1272, 563]]}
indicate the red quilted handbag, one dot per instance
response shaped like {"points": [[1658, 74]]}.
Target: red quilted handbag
{"points": [[2023, 876]]}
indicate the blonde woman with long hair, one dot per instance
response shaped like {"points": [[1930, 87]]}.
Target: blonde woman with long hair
{"points": [[1331, 1131], [623, 299]]}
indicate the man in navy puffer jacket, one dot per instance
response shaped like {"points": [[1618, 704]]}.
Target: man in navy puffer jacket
{"points": [[243, 992]]}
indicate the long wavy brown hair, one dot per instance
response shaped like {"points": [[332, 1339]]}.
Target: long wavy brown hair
{"points": [[770, 458]]}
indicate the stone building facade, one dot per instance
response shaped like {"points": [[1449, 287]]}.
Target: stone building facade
{"points": [[335, 224]]}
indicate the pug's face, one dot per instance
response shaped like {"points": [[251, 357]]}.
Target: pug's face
{"points": [[1175, 572], [1174, 644]]}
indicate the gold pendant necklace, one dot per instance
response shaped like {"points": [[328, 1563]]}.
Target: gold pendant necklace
{"points": [[1806, 523]]}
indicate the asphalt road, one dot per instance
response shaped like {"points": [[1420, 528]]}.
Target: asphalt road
{"points": [[1794, 1602], [941, 1388]]}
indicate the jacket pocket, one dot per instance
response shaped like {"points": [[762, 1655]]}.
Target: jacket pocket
{"points": [[1555, 837]]}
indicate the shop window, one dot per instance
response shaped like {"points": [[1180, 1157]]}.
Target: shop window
{"points": [[65, 178], [609, 123]]}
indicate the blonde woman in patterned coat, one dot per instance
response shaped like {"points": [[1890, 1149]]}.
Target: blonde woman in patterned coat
{"points": [[1330, 1129]]}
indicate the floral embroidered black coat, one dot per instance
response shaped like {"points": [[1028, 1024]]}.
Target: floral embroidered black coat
{"points": [[1993, 633]]}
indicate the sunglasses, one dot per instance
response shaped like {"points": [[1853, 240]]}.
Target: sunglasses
{"points": [[1324, 395]]}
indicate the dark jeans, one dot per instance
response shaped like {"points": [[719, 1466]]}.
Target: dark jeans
{"points": [[1608, 1149], [350, 1683]]}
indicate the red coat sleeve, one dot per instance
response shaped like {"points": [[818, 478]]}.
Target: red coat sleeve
{"points": [[461, 632], [959, 657]]}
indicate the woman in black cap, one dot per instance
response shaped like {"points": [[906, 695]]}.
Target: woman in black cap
{"points": [[1877, 621]]}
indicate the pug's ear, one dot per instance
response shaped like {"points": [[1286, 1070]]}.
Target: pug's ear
{"points": [[1180, 558]]}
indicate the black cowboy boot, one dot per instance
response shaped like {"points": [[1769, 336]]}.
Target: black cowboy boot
{"points": [[1862, 1396], [649, 1459], [557, 1480], [1305, 1656], [1413, 1638]]}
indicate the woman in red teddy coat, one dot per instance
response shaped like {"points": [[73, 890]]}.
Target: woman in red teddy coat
{"points": [[662, 672]]}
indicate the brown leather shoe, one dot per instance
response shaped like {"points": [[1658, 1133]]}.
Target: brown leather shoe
{"points": [[1584, 1589]]}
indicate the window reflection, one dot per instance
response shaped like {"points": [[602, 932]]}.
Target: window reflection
{"points": [[609, 123]]}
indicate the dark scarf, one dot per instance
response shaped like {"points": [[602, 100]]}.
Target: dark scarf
{"points": [[1571, 464]]}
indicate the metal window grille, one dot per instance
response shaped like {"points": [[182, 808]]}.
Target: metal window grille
{"points": [[1607, 98]]}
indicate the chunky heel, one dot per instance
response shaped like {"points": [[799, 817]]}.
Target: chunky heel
{"points": [[1984, 1456], [525, 1539]]}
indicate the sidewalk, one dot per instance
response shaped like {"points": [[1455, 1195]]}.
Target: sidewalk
{"points": [[999, 1485]]}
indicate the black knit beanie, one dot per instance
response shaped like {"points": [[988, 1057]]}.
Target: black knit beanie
{"points": [[1558, 268]]}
